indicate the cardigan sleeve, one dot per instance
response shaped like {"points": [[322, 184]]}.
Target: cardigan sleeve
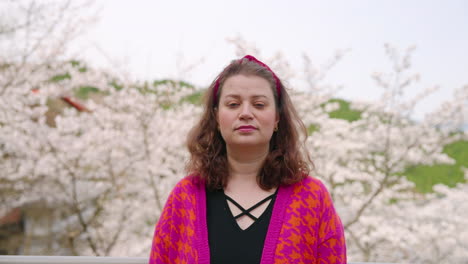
{"points": [[175, 237], [332, 246], [163, 233]]}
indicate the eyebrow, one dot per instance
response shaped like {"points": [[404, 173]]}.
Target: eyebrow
{"points": [[238, 96]]}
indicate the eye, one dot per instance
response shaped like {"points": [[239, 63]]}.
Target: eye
{"points": [[232, 104], [259, 104]]}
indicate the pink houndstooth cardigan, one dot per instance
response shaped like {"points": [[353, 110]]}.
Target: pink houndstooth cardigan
{"points": [[304, 226]]}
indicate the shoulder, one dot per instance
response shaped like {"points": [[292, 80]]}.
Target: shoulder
{"points": [[188, 186], [311, 191], [189, 182], [309, 184]]}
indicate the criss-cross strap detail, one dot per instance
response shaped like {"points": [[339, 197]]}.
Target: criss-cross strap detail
{"points": [[247, 211]]}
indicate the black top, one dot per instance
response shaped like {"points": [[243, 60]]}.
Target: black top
{"points": [[228, 242]]}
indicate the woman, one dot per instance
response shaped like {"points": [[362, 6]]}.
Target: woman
{"points": [[248, 198]]}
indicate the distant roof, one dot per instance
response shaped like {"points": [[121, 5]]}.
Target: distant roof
{"points": [[14, 216]]}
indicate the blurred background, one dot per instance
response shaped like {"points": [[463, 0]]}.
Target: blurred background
{"points": [[187, 40], [96, 98]]}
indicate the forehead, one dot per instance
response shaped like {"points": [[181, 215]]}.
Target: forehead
{"points": [[246, 86]]}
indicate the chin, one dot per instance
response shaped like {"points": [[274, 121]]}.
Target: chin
{"points": [[247, 142]]}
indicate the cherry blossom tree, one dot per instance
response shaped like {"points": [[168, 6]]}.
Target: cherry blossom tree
{"points": [[108, 167], [363, 163], [101, 165], [34, 37]]}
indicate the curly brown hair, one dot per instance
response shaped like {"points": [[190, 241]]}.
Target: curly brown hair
{"points": [[287, 161]]}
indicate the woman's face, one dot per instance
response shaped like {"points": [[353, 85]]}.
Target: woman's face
{"points": [[246, 111]]}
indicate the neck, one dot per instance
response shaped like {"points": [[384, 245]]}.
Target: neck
{"points": [[244, 164]]}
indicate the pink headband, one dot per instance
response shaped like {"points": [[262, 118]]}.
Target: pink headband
{"points": [[250, 58]]}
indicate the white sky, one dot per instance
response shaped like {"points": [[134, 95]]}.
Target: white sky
{"points": [[146, 37]]}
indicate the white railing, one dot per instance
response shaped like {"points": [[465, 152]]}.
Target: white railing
{"points": [[10, 259]]}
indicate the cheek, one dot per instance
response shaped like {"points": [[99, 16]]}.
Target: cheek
{"points": [[269, 120], [225, 120], [223, 125]]}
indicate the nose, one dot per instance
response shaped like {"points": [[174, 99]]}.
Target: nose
{"points": [[246, 112]]}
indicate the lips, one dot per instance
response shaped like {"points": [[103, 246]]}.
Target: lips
{"points": [[246, 128]]}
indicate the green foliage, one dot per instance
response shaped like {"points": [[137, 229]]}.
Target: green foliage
{"points": [[154, 86], [116, 85], [83, 92], [195, 98], [344, 111], [66, 76], [459, 152], [312, 128], [78, 64], [146, 88], [425, 177], [60, 77], [165, 87]]}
